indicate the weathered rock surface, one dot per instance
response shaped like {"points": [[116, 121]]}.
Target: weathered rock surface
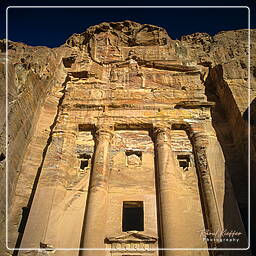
{"points": [[134, 77], [233, 89], [32, 72]]}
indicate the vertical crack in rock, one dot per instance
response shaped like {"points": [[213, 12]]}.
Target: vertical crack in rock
{"points": [[26, 210]]}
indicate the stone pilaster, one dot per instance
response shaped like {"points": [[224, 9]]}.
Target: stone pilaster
{"points": [[93, 234], [165, 165], [60, 231], [44, 215], [208, 196]]}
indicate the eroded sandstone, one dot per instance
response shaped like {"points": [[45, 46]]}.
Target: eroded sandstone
{"points": [[122, 116]]}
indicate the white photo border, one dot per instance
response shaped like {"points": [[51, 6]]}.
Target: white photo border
{"points": [[249, 117]]}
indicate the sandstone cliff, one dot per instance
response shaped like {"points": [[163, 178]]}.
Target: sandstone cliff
{"points": [[37, 78], [226, 79], [32, 71]]}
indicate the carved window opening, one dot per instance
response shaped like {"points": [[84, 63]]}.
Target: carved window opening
{"points": [[133, 216], [184, 161], [85, 160], [2, 156], [133, 158], [84, 164]]}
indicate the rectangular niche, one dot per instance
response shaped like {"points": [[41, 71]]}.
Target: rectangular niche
{"points": [[85, 161], [133, 216], [133, 157], [184, 162]]}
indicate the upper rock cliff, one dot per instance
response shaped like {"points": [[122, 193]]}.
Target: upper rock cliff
{"points": [[127, 32]]}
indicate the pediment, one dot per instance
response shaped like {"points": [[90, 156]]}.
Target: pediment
{"points": [[132, 237]]}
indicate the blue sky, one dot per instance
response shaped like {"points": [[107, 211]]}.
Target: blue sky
{"points": [[51, 27]]}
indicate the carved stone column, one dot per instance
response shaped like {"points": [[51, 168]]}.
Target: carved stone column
{"points": [[165, 165], [208, 197], [93, 234]]}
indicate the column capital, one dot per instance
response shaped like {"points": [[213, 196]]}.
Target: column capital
{"points": [[108, 128], [161, 127], [200, 140], [161, 134], [104, 130]]}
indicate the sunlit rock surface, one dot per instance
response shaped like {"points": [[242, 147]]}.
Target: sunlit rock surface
{"points": [[129, 93]]}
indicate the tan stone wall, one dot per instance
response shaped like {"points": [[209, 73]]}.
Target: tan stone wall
{"points": [[131, 91]]}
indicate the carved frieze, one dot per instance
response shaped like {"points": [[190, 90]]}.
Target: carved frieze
{"points": [[132, 242]]}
